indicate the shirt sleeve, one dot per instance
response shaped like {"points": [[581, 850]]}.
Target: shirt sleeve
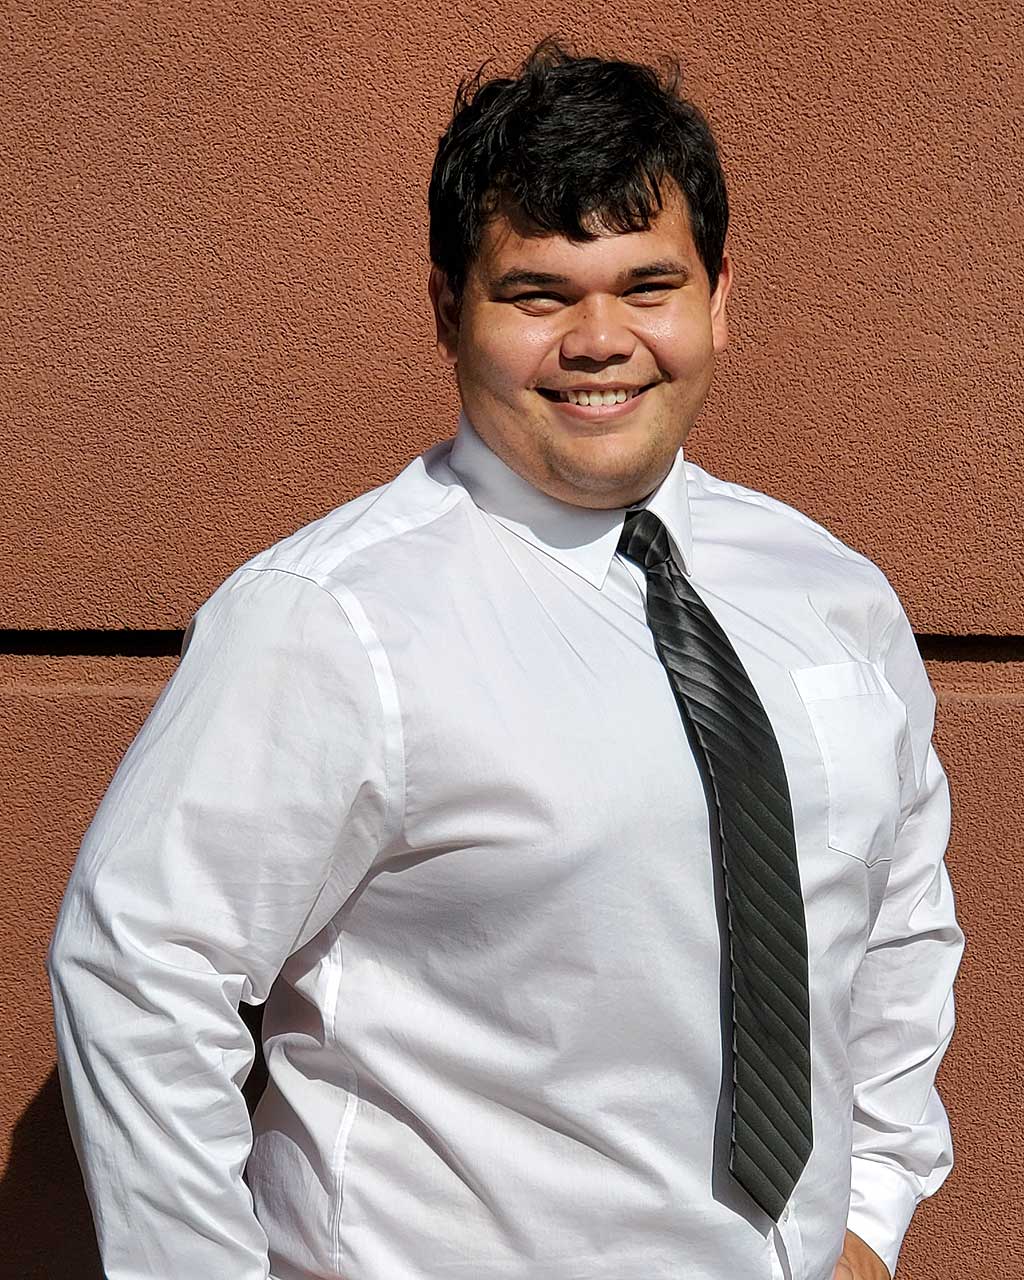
{"points": [[246, 811], [902, 1007]]}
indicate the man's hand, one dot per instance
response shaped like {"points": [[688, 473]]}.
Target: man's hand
{"points": [[859, 1262]]}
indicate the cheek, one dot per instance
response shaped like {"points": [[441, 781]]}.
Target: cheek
{"points": [[510, 354], [682, 345]]}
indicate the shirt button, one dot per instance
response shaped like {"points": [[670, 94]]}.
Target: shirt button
{"points": [[785, 1214]]}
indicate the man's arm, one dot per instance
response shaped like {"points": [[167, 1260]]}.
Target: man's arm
{"points": [[860, 1262], [247, 809], [902, 1008]]}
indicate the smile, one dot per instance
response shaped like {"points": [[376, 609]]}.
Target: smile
{"points": [[594, 395], [595, 402]]}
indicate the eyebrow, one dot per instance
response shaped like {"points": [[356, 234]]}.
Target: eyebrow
{"points": [[520, 275]]}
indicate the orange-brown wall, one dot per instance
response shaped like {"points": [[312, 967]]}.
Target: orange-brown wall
{"points": [[213, 328]]}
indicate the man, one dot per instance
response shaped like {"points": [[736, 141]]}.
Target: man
{"points": [[574, 811]]}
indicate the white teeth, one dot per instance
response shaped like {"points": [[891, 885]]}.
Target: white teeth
{"points": [[617, 396]]}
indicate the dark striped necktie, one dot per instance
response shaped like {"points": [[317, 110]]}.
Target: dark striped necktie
{"points": [[737, 751]]}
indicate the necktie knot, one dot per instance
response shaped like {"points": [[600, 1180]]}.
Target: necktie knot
{"points": [[644, 539]]}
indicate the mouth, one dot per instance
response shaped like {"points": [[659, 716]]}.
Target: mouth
{"points": [[594, 397]]}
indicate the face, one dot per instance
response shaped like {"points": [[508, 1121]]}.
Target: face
{"points": [[545, 325]]}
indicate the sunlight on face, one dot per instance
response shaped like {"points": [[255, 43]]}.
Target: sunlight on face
{"points": [[542, 316]]}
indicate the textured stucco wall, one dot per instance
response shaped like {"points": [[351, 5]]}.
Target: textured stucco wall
{"points": [[214, 328]]}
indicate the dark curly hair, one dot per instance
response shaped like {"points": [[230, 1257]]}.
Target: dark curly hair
{"points": [[571, 141]]}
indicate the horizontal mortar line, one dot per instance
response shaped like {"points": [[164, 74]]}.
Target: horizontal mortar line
{"points": [[126, 642], [973, 648], [99, 643]]}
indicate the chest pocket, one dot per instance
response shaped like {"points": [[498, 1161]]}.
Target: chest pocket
{"points": [[860, 725]]}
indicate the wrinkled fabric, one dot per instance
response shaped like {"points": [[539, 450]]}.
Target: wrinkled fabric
{"points": [[420, 784]]}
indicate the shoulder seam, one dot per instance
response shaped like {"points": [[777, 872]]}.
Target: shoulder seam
{"points": [[387, 694], [751, 496], [357, 543]]}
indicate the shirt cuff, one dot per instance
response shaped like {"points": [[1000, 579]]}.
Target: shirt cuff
{"points": [[882, 1202]]}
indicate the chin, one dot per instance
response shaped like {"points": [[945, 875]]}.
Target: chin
{"points": [[616, 466], [587, 486]]}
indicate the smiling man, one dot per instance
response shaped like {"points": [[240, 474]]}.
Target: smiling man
{"points": [[617, 334], [574, 812]]}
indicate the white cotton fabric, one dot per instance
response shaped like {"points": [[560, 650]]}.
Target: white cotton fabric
{"points": [[421, 784]]}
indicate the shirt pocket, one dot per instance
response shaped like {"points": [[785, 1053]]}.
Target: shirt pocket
{"points": [[860, 726]]}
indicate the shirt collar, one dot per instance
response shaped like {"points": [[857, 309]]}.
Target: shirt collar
{"points": [[583, 539]]}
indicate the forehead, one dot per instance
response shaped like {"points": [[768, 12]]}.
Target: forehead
{"points": [[508, 244]]}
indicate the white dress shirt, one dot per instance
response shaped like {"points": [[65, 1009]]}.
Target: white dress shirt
{"points": [[420, 783]]}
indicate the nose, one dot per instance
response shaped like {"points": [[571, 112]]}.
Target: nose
{"points": [[596, 334]]}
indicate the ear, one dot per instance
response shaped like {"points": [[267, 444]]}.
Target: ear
{"points": [[719, 320], [446, 315]]}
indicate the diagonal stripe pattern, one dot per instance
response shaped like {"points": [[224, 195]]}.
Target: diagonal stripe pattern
{"points": [[771, 1103]]}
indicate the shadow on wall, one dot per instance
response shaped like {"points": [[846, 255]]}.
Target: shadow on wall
{"points": [[44, 1216], [45, 1223]]}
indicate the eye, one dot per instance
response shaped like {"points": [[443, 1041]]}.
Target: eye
{"points": [[537, 297], [650, 288]]}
